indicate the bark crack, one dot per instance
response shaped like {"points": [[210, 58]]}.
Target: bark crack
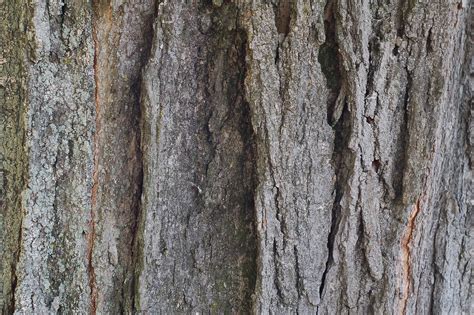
{"points": [[277, 271], [95, 178], [299, 278], [329, 59], [398, 185], [136, 250], [338, 117]]}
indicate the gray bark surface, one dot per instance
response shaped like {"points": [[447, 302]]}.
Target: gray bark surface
{"points": [[261, 156]]}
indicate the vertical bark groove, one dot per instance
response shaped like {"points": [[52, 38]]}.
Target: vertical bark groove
{"points": [[205, 197], [340, 119], [95, 177], [123, 34]]}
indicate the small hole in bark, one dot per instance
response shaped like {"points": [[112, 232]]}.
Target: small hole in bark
{"points": [[395, 50], [376, 165], [459, 5], [369, 119]]}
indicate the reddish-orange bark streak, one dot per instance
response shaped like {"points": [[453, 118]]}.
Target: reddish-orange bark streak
{"points": [[406, 256]]}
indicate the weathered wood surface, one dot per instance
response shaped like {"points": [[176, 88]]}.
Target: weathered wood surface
{"points": [[236, 156]]}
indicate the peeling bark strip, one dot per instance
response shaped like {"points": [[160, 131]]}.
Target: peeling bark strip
{"points": [[406, 255], [235, 156]]}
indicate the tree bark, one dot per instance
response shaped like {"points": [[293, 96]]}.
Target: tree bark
{"points": [[246, 156]]}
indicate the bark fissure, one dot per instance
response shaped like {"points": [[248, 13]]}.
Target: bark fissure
{"points": [[329, 59], [277, 271], [214, 164], [342, 159], [404, 141], [340, 119], [95, 179], [136, 250], [122, 49]]}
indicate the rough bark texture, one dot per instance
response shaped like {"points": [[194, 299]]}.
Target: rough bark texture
{"points": [[236, 156]]}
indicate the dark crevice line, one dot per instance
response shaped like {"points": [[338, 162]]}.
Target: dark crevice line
{"points": [[340, 119], [136, 247], [405, 138], [299, 283], [405, 129], [277, 273], [95, 175], [330, 69], [330, 58], [247, 133]]}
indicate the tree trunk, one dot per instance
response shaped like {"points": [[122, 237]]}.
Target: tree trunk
{"points": [[246, 156]]}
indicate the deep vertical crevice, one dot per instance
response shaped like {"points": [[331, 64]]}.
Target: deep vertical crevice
{"points": [[403, 141], [250, 168], [330, 60], [342, 161], [117, 148], [95, 178], [402, 154], [130, 295], [215, 168], [339, 118], [235, 163]]}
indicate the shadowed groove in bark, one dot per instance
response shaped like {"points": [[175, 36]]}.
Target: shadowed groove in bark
{"points": [[342, 157], [404, 141], [343, 160], [329, 59], [130, 295], [95, 179], [205, 210], [118, 87]]}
